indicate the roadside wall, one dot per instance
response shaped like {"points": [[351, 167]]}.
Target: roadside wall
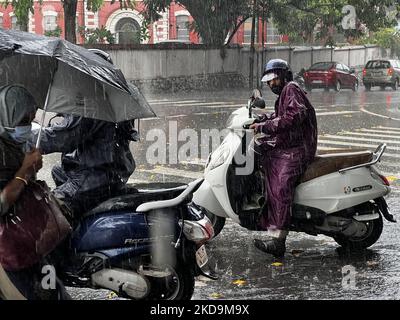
{"points": [[159, 69]]}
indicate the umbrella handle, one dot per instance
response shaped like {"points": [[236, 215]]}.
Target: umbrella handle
{"points": [[43, 115]]}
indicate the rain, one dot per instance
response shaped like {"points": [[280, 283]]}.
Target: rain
{"points": [[181, 82]]}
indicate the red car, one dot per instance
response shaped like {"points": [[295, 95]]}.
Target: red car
{"points": [[329, 75]]}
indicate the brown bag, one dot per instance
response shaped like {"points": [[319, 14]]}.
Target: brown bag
{"points": [[33, 229]]}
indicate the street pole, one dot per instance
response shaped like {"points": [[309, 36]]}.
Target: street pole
{"points": [[252, 49], [263, 36]]}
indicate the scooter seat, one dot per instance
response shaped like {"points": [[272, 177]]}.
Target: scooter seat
{"points": [[331, 161], [131, 198]]}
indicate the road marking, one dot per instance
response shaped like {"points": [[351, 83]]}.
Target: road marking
{"points": [[354, 144], [360, 139], [336, 113], [368, 134], [156, 102], [389, 128], [174, 172], [376, 131], [377, 114]]}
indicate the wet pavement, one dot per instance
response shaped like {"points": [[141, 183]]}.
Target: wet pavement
{"points": [[314, 267]]}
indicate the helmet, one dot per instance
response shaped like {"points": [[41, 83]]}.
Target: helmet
{"points": [[106, 56], [276, 68]]}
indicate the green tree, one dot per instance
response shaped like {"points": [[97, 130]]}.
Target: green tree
{"points": [[98, 35], [70, 7], [21, 8], [213, 19], [388, 38], [300, 18]]}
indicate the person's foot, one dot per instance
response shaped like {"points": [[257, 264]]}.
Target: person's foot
{"points": [[274, 246]]}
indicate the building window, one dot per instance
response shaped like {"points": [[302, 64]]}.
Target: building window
{"points": [[182, 27], [247, 31], [49, 21], [273, 35], [127, 31], [14, 24]]}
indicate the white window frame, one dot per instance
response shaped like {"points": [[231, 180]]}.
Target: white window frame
{"points": [[119, 14], [49, 13], [182, 13], [273, 37]]}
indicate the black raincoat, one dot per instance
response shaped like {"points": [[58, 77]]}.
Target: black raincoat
{"points": [[96, 161]]}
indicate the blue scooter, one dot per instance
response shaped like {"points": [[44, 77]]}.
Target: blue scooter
{"points": [[145, 244]]}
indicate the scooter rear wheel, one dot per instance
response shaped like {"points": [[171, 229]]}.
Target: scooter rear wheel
{"points": [[374, 231], [178, 286]]}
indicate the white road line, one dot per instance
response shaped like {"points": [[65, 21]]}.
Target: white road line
{"points": [[331, 136], [177, 116], [336, 113], [365, 134], [156, 102], [174, 172], [150, 119], [389, 128], [376, 131], [378, 115], [374, 146]]}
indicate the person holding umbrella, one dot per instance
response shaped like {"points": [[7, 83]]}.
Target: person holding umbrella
{"points": [[19, 165], [96, 161]]}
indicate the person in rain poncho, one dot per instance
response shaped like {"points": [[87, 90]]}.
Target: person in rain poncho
{"points": [[18, 165], [289, 149], [96, 161]]}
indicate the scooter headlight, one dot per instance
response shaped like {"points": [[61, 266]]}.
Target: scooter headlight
{"points": [[218, 157]]}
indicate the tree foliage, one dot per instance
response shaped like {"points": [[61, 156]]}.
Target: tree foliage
{"points": [[21, 9], [213, 19], [300, 19], [388, 38], [70, 7]]}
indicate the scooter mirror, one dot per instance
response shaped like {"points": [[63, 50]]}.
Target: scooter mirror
{"points": [[256, 94], [259, 103]]}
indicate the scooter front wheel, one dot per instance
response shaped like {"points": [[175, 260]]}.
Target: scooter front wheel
{"points": [[372, 234]]}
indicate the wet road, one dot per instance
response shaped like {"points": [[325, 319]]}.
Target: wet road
{"points": [[313, 266]]}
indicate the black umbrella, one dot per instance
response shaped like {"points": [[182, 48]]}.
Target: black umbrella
{"points": [[66, 78]]}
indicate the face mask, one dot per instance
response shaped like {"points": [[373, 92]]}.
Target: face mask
{"points": [[21, 134], [277, 89]]}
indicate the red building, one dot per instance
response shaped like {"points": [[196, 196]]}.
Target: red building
{"points": [[123, 24]]}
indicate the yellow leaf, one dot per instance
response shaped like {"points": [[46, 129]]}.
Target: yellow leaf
{"points": [[216, 295], [239, 282], [392, 178], [277, 264], [112, 295]]}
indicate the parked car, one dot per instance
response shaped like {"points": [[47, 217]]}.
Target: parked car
{"points": [[383, 73], [330, 75]]}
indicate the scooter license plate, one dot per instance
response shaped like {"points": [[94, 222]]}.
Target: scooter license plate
{"points": [[201, 256]]}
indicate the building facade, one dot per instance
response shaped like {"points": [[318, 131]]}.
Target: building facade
{"points": [[48, 18]]}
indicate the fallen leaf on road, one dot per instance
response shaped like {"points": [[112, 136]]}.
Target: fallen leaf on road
{"points": [[239, 282], [277, 264], [216, 295], [392, 178], [112, 295]]}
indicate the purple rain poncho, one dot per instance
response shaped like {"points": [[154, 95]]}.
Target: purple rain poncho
{"points": [[292, 129]]}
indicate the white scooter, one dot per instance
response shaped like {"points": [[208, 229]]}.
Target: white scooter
{"points": [[340, 195]]}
